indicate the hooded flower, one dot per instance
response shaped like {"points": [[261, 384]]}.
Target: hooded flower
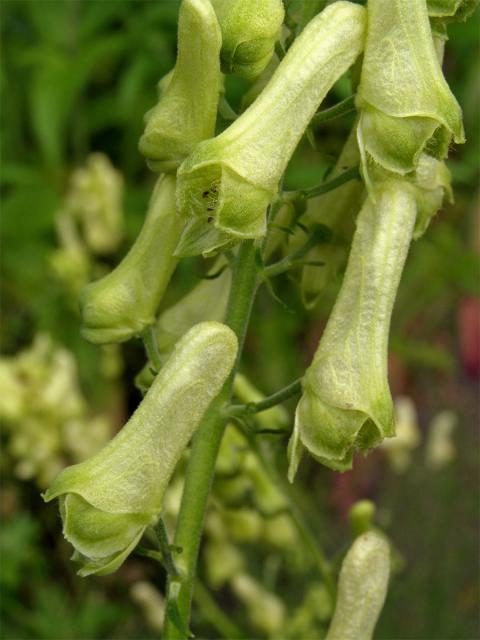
{"points": [[362, 588], [225, 186], [187, 108], [406, 105], [249, 31], [124, 303], [107, 502], [346, 404]]}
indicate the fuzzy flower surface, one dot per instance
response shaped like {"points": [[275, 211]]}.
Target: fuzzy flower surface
{"points": [[187, 108], [226, 184], [124, 302], [362, 588], [107, 502], [250, 29], [406, 105]]}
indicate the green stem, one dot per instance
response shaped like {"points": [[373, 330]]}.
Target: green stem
{"points": [[206, 443], [151, 349], [319, 235], [340, 109], [292, 389], [165, 548], [324, 187]]}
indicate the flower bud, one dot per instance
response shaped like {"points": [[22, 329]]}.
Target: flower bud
{"points": [[107, 502], [362, 588], [406, 105], [187, 108], [346, 403], [225, 186], [361, 516], [249, 31], [123, 303]]}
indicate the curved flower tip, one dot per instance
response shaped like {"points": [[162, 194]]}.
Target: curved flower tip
{"points": [[249, 31], [124, 303], [107, 501], [225, 186], [346, 404], [362, 588], [187, 108], [406, 105]]}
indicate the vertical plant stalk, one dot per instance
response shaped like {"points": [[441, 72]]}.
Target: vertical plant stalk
{"points": [[206, 443]]}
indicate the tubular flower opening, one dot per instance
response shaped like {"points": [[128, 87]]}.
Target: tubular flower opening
{"points": [[187, 108], [107, 502], [406, 105], [249, 31], [123, 303], [346, 404], [226, 184], [362, 588]]}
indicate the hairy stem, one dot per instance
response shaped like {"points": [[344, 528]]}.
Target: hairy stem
{"points": [[206, 443], [340, 109], [292, 389]]}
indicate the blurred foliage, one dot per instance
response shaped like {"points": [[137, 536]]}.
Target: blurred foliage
{"points": [[77, 77]]}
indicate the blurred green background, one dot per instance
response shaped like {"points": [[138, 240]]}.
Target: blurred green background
{"points": [[77, 77]]}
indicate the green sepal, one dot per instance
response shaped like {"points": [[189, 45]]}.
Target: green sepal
{"points": [[403, 97], [107, 501], [433, 184], [250, 29], [346, 404], [123, 303], [187, 107], [228, 181], [451, 10]]}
